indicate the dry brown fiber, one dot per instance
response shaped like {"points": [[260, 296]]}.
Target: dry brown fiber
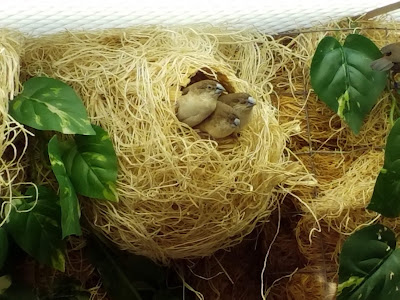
{"points": [[13, 136], [340, 199], [310, 283], [345, 165], [181, 195]]}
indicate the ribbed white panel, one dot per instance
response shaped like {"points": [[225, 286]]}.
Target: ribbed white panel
{"points": [[42, 17]]}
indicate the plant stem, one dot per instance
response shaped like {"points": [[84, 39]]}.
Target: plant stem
{"points": [[16, 193], [392, 109]]}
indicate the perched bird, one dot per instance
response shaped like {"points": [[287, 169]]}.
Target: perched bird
{"points": [[198, 101], [390, 59], [242, 105], [221, 123]]}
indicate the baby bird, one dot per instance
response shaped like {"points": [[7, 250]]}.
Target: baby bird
{"points": [[391, 57], [221, 123], [198, 101], [242, 105]]}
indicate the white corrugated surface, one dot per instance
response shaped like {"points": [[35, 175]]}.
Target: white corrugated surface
{"points": [[42, 17]]}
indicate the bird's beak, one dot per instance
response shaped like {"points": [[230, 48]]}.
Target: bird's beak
{"points": [[381, 64], [236, 122], [219, 89], [251, 101]]}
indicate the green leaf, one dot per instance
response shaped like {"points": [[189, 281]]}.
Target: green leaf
{"points": [[341, 76], [129, 276], [38, 231], [115, 278], [386, 196], [91, 164], [392, 149], [369, 265], [70, 210], [3, 247], [66, 288], [50, 104], [5, 283], [18, 292], [141, 269]]}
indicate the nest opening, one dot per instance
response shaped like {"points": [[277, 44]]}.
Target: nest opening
{"points": [[206, 73]]}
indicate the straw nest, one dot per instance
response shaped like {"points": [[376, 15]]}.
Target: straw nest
{"points": [[182, 194], [13, 137]]}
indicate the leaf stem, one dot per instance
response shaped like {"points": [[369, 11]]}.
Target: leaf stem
{"points": [[392, 109], [16, 193]]}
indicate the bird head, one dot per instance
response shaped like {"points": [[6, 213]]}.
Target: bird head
{"points": [[210, 87], [233, 120], [247, 101], [226, 113], [391, 55], [392, 52], [241, 101]]}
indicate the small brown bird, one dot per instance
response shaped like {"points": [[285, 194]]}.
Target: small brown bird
{"points": [[391, 57], [198, 101], [221, 123], [242, 104]]}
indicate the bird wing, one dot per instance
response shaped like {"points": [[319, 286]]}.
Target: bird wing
{"points": [[194, 120], [193, 110]]}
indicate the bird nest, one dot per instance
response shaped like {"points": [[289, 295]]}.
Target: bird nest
{"points": [[13, 136], [181, 194]]}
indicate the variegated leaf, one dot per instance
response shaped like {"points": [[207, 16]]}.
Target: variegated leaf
{"points": [[342, 77], [91, 164], [369, 265], [70, 210], [50, 104], [36, 227]]}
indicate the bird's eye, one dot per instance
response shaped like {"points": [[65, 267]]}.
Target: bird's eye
{"points": [[388, 54], [209, 87]]}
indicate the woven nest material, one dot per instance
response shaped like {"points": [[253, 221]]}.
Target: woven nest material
{"points": [[13, 136], [345, 165], [182, 194], [349, 193], [313, 282]]}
